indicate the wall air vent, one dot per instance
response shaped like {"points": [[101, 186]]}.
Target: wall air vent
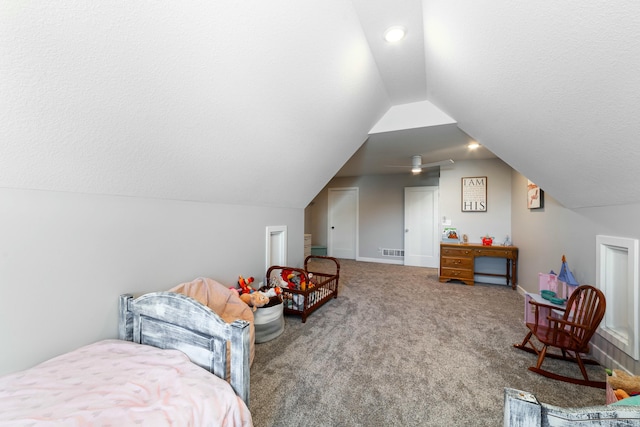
{"points": [[392, 252]]}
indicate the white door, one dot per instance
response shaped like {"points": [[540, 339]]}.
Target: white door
{"points": [[342, 223], [421, 237]]}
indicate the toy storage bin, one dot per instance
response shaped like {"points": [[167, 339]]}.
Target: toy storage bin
{"points": [[268, 322]]}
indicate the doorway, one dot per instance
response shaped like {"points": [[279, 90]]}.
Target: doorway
{"points": [[342, 222], [421, 237], [276, 249]]}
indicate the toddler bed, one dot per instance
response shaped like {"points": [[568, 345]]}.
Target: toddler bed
{"points": [[522, 409], [305, 290], [153, 375]]}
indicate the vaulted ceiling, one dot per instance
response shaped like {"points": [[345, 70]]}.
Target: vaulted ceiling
{"points": [[203, 101]]}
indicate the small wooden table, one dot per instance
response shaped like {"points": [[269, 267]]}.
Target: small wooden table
{"points": [[457, 261]]}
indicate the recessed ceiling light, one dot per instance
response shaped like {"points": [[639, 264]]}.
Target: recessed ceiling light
{"points": [[395, 33], [473, 145]]}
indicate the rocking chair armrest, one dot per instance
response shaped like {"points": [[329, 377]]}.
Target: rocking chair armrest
{"points": [[560, 323]]}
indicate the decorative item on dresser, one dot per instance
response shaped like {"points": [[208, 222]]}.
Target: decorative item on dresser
{"points": [[457, 261]]}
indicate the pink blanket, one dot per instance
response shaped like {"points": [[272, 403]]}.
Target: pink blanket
{"points": [[119, 383]]}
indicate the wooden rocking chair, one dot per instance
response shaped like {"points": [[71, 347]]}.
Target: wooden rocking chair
{"points": [[570, 333]]}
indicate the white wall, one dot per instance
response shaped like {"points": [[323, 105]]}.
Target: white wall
{"points": [[381, 201], [496, 221], [65, 258]]}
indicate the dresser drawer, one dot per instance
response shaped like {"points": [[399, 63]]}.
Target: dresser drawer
{"points": [[456, 252], [454, 273], [461, 263], [495, 251]]}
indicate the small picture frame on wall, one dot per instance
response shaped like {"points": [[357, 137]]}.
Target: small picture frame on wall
{"points": [[474, 194], [535, 196]]}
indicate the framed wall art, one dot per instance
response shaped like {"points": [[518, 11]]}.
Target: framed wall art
{"points": [[535, 196], [474, 194]]}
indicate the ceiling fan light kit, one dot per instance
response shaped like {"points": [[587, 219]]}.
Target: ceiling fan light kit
{"points": [[417, 166], [416, 162]]}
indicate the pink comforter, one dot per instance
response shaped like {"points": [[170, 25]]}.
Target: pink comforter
{"points": [[119, 383]]}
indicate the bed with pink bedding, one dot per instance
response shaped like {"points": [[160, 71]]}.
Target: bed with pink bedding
{"points": [[177, 363]]}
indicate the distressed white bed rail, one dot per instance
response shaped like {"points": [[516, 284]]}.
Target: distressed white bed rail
{"points": [[175, 321], [522, 409]]}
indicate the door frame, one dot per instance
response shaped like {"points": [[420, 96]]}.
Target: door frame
{"points": [[276, 245]]}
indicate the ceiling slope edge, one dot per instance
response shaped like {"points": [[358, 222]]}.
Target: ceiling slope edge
{"points": [[411, 116]]}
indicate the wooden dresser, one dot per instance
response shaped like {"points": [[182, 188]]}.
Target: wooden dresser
{"points": [[457, 261]]}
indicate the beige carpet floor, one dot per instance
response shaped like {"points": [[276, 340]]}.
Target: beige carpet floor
{"points": [[399, 348]]}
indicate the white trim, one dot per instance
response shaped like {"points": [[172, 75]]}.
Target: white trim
{"points": [[605, 360], [617, 278], [381, 261], [279, 233]]}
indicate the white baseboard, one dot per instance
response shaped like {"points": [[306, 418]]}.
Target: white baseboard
{"points": [[381, 261], [521, 290], [605, 360]]}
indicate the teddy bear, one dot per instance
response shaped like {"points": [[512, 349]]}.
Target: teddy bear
{"points": [[620, 380], [255, 299]]}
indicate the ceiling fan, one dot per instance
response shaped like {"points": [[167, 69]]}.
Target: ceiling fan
{"points": [[417, 165]]}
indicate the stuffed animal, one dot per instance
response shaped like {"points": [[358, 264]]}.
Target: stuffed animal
{"points": [[255, 299], [245, 285], [620, 394], [293, 279], [623, 381], [271, 292]]}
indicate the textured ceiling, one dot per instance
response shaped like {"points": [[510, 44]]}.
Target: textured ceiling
{"points": [[200, 101], [549, 87]]}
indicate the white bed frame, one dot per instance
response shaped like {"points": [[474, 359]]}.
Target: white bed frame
{"points": [[174, 321], [522, 409]]}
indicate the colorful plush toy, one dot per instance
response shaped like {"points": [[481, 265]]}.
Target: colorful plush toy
{"points": [[245, 285], [255, 299], [293, 279], [271, 292], [620, 380]]}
